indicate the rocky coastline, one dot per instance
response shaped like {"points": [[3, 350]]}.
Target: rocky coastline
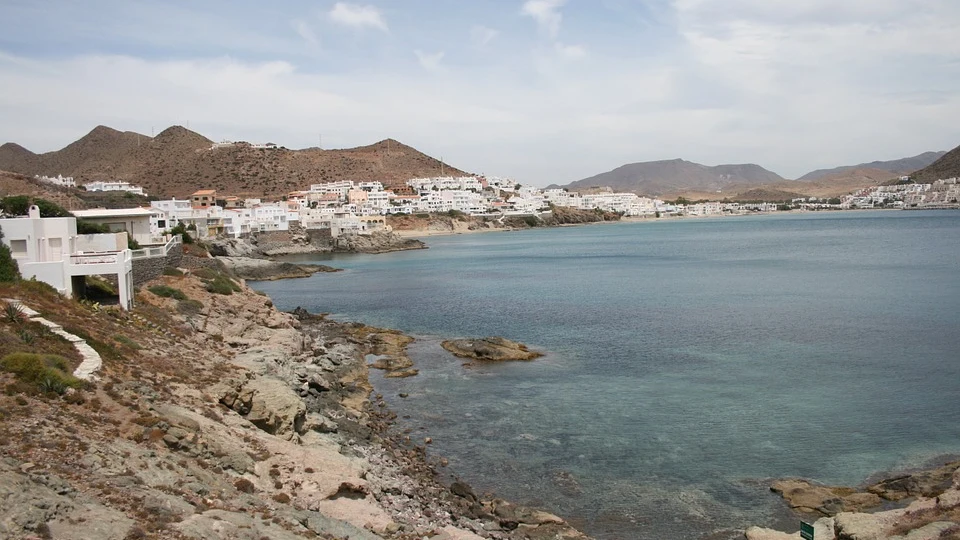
{"points": [[217, 416]]}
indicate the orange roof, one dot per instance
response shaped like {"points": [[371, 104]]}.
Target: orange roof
{"points": [[205, 192]]}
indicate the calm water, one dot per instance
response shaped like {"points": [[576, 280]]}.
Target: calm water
{"points": [[688, 361]]}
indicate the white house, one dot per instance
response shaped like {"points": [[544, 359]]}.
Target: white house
{"points": [[145, 225], [58, 180], [115, 186], [50, 250]]}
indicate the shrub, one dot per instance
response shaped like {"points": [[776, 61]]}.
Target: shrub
{"points": [[222, 285], [88, 227], [244, 485], [189, 306], [167, 292], [9, 270], [14, 313], [171, 271], [182, 231], [48, 372], [120, 338]]}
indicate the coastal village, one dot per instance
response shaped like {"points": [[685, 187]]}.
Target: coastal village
{"points": [[360, 207]]}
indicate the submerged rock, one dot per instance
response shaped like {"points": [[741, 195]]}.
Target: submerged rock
{"points": [[491, 349]]}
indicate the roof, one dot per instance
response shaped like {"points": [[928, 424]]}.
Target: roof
{"points": [[205, 192], [116, 212]]}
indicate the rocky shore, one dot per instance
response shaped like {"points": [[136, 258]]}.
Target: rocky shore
{"points": [[926, 507], [217, 416], [491, 349]]}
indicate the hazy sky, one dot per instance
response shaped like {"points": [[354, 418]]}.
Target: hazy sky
{"points": [[542, 90]]}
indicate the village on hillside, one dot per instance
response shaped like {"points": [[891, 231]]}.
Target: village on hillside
{"points": [[360, 207]]}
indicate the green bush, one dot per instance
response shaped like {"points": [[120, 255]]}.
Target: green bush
{"points": [[222, 285], [181, 229], [47, 372], [9, 269], [88, 227], [206, 273], [167, 292], [120, 338], [171, 271], [189, 306]]}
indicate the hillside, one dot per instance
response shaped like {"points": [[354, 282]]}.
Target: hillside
{"points": [[948, 166], [896, 166], [213, 415], [660, 178], [178, 161]]}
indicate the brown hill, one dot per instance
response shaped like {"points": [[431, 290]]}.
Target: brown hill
{"points": [[660, 178], [18, 184], [897, 166], [947, 166], [178, 162]]}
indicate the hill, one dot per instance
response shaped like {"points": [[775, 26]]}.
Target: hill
{"points": [[659, 178], [896, 166], [178, 162], [948, 166]]}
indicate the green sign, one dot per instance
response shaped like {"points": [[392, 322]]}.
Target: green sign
{"points": [[806, 531]]}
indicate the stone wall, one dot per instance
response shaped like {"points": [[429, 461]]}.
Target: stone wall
{"points": [[151, 268]]}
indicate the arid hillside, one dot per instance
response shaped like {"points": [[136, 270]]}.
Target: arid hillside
{"points": [[178, 162]]}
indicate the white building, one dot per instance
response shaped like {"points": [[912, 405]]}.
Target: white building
{"points": [[50, 250], [144, 225], [58, 180], [115, 186]]}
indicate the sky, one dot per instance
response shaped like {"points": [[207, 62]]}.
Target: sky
{"points": [[544, 91]]}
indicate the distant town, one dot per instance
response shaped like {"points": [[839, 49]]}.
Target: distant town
{"points": [[352, 207]]}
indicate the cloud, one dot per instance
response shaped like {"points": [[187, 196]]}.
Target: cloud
{"points": [[429, 61], [306, 32], [357, 16], [481, 36], [571, 52], [546, 13]]}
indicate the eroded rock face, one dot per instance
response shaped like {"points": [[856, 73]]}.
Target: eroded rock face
{"points": [[270, 404], [491, 349], [264, 270]]}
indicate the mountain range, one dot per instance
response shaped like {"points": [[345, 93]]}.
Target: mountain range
{"points": [[677, 177], [178, 162]]}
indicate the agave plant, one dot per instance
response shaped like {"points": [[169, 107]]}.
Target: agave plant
{"points": [[54, 385], [14, 313], [26, 336]]}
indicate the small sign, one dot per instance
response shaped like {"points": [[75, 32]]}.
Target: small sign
{"points": [[806, 531]]}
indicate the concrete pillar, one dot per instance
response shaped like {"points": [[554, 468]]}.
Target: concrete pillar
{"points": [[125, 289]]}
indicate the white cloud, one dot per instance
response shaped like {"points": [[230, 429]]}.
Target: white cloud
{"points": [[481, 36], [572, 52], [430, 61], [546, 13], [306, 32], [357, 16]]}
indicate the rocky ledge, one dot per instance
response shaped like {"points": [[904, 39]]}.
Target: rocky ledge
{"points": [[931, 498], [266, 270], [491, 349]]}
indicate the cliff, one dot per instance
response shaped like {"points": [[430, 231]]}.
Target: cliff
{"points": [[216, 416]]}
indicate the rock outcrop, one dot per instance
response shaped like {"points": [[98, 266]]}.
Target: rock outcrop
{"points": [[491, 349], [378, 242], [266, 270]]}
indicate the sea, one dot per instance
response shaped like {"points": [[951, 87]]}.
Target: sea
{"points": [[688, 362]]}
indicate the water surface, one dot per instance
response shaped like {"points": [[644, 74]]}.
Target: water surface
{"points": [[689, 361]]}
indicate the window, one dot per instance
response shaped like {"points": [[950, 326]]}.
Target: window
{"points": [[18, 248], [162, 223]]}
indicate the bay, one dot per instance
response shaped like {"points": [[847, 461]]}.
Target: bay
{"points": [[688, 361]]}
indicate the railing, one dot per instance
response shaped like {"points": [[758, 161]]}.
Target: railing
{"points": [[159, 251], [99, 257]]}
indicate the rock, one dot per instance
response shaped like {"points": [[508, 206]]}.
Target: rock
{"points": [[804, 496], [270, 404], [265, 270], [402, 374], [452, 533], [378, 242], [930, 531], [491, 349]]}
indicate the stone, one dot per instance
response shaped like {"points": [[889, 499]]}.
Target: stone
{"points": [[491, 349], [270, 404]]}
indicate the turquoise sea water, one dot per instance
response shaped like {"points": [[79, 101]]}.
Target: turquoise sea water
{"points": [[688, 362]]}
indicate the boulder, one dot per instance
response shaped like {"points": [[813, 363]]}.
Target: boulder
{"points": [[491, 349], [270, 404]]}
